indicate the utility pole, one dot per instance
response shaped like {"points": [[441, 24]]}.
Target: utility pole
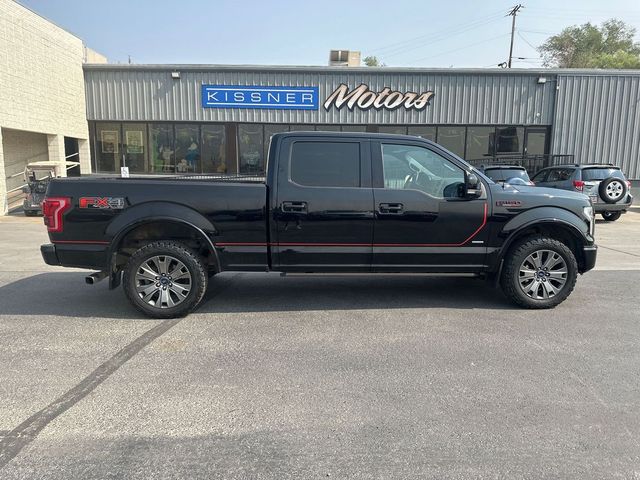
{"points": [[513, 12]]}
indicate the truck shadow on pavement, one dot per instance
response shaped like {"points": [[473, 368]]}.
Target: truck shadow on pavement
{"points": [[229, 293], [65, 294]]}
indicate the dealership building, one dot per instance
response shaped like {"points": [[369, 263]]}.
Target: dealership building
{"points": [[168, 119]]}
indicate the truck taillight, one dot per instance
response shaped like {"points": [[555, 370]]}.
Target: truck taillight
{"points": [[52, 210], [578, 185]]}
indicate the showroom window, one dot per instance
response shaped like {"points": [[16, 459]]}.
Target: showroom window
{"points": [[270, 131], [428, 133], [452, 138], [479, 142], [251, 149], [214, 154], [135, 147], [302, 127], [187, 152], [107, 147], [354, 128], [161, 147], [509, 140], [326, 164], [394, 129]]}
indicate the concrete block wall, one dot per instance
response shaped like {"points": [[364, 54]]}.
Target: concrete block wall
{"points": [[41, 79], [41, 90]]}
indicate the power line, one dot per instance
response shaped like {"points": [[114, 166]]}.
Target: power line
{"points": [[460, 48], [396, 47], [436, 39], [527, 41], [513, 13]]}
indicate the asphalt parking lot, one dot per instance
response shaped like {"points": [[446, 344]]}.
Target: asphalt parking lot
{"points": [[316, 377]]}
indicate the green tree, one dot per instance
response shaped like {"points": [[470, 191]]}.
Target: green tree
{"points": [[372, 61], [588, 46]]}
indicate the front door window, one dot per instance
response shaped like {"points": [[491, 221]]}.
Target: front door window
{"points": [[408, 167]]}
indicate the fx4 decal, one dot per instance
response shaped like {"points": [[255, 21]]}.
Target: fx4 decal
{"points": [[103, 203]]}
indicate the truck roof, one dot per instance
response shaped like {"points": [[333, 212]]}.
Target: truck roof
{"points": [[349, 134]]}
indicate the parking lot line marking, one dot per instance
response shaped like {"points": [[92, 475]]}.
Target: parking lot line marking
{"points": [[27, 431], [21, 436], [619, 251]]}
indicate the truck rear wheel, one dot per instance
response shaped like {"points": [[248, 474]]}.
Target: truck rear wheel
{"points": [[539, 272], [165, 279]]}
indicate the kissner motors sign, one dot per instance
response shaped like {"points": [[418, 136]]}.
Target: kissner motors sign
{"points": [[364, 98], [287, 98], [306, 98]]}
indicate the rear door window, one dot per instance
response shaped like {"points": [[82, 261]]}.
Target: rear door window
{"points": [[541, 176], [595, 174], [325, 164], [560, 174]]}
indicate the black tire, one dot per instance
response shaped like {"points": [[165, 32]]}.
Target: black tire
{"points": [[515, 260], [177, 252], [612, 190], [611, 216], [30, 213]]}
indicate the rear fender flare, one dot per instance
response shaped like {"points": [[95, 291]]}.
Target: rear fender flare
{"points": [[160, 211]]}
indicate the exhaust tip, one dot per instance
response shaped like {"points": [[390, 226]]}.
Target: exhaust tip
{"points": [[95, 278]]}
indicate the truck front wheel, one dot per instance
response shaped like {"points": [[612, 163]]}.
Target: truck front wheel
{"points": [[539, 272], [165, 279]]}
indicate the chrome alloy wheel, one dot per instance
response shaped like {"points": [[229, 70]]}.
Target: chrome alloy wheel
{"points": [[614, 190], [163, 281], [543, 274]]}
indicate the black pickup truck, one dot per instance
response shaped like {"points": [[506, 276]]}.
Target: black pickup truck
{"points": [[330, 202]]}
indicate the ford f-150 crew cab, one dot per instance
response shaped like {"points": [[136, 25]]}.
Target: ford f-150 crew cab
{"points": [[330, 202]]}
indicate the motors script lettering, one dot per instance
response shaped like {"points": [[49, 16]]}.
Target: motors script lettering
{"points": [[364, 98]]}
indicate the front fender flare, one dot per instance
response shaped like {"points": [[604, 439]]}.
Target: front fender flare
{"points": [[544, 216]]}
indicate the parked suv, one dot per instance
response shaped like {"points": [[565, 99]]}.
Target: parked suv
{"points": [[605, 185]]}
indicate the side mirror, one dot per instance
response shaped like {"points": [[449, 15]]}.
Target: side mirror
{"points": [[473, 187]]}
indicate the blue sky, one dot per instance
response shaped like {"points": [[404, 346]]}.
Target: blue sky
{"points": [[415, 33]]}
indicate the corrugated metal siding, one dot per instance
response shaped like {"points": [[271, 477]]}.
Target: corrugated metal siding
{"points": [[460, 98], [598, 120]]}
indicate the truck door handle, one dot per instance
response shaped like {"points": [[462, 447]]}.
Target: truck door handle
{"points": [[294, 207], [390, 208]]}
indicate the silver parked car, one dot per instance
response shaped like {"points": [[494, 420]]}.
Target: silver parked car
{"points": [[605, 185]]}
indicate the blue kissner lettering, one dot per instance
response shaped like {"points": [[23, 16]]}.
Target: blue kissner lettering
{"points": [[288, 98]]}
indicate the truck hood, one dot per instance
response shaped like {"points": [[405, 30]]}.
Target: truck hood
{"points": [[532, 196]]}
